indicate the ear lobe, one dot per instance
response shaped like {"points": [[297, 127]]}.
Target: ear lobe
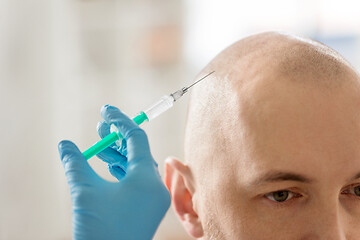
{"points": [[178, 180]]}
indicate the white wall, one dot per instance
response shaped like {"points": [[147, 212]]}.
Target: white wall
{"points": [[60, 62], [213, 25]]}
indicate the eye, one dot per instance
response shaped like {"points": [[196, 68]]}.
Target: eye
{"points": [[353, 190], [357, 190], [280, 196]]}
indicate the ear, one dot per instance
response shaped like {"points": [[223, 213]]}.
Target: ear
{"points": [[178, 180]]}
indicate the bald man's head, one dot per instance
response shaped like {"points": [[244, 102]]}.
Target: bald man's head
{"points": [[272, 144], [263, 61]]}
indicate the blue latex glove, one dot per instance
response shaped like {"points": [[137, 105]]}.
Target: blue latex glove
{"points": [[114, 156], [130, 209]]}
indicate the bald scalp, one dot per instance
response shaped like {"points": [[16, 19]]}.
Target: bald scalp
{"points": [[215, 105]]}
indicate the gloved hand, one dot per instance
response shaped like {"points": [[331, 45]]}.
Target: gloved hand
{"points": [[114, 156], [129, 209]]}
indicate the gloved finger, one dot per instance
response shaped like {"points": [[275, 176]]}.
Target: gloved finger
{"points": [[117, 172], [138, 149], [123, 149], [112, 157], [103, 130], [77, 169]]}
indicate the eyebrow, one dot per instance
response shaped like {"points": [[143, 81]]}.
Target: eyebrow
{"points": [[357, 176], [278, 176]]}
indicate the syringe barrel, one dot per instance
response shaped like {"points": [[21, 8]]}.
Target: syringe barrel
{"points": [[159, 107]]}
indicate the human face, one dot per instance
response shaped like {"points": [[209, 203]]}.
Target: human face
{"points": [[294, 169]]}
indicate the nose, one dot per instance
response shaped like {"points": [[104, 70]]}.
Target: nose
{"points": [[328, 222]]}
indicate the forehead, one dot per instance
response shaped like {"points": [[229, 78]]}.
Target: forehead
{"points": [[298, 126]]}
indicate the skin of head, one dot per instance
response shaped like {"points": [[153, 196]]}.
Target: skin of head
{"points": [[280, 116]]}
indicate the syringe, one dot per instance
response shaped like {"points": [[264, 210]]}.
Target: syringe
{"points": [[165, 103]]}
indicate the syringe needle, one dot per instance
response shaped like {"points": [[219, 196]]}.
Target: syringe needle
{"points": [[187, 88], [179, 93]]}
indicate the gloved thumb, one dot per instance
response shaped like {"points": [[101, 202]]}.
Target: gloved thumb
{"points": [[77, 169]]}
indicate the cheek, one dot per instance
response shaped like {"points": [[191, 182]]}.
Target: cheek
{"points": [[218, 217], [225, 215]]}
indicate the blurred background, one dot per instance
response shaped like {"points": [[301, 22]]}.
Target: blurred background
{"points": [[61, 60]]}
